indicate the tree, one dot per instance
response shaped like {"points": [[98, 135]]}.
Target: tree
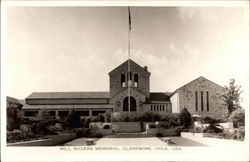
{"points": [[232, 97], [74, 119], [238, 117], [13, 121], [185, 118]]}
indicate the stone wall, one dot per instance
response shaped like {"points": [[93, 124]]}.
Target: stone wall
{"points": [[118, 100], [187, 98], [115, 79]]}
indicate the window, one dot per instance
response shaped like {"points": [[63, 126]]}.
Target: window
{"points": [[129, 75], [95, 113], [157, 107], [63, 114], [30, 113], [154, 107], [52, 113], [201, 101], [207, 101], [83, 113], [122, 80], [196, 101], [136, 80]]}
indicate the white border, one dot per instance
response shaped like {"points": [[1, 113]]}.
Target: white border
{"points": [[53, 153]]}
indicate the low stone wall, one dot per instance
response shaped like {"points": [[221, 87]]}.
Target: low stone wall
{"points": [[198, 137], [228, 125], [52, 140], [104, 132], [127, 127], [163, 131]]}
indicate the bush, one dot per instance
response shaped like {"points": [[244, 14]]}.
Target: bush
{"points": [[45, 127], [106, 127], [17, 135], [13, 120], [178, 130], [151, 126], [159, 134], [212, 129], [197, 130], [73, 119], [97, 135], [101, 118], [107, 117], [185, 118], [238, 117], [82, 132], [164, 125]]}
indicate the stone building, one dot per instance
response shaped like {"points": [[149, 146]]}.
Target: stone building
{"points": [[199, 96], [129, 90]]}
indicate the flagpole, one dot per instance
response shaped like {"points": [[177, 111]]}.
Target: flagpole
{"points": [[129, 20]]}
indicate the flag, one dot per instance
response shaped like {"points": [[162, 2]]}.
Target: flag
{"points": [[129, 19]]}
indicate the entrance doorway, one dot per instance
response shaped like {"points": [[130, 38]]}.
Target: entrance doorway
{"points": [[132, 104]]}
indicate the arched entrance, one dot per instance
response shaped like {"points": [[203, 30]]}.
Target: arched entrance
{"points": [[132, 104]]}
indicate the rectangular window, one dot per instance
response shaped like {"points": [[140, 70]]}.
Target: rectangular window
{"points": [[63, 114], [154, 107], [196, 101], [201, 101], [30, 113], [95, 113], [151, 107], [207, 101], [52, 113], [83, 113]]}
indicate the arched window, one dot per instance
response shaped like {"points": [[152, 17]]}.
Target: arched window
{"points": [[123, 80], [136, 80]]}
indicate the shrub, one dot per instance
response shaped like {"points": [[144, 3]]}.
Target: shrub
{"points": [[164, 125], [44, 127], [101, 118], [73, 119], [197, 130], [151, 126], [97, 135], [159, 134], [238, 117], [107, 117], [212, 129], [185, 118], [13, 120], [178, 130], [82, 132], [106, 127]]}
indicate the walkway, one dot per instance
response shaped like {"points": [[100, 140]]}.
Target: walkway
{"points": [[145, 141]]}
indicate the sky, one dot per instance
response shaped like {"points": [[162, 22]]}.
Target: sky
{"points": [[54, 49]]}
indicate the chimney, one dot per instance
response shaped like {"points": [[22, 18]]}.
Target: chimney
{"points": [[146, 68]]}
